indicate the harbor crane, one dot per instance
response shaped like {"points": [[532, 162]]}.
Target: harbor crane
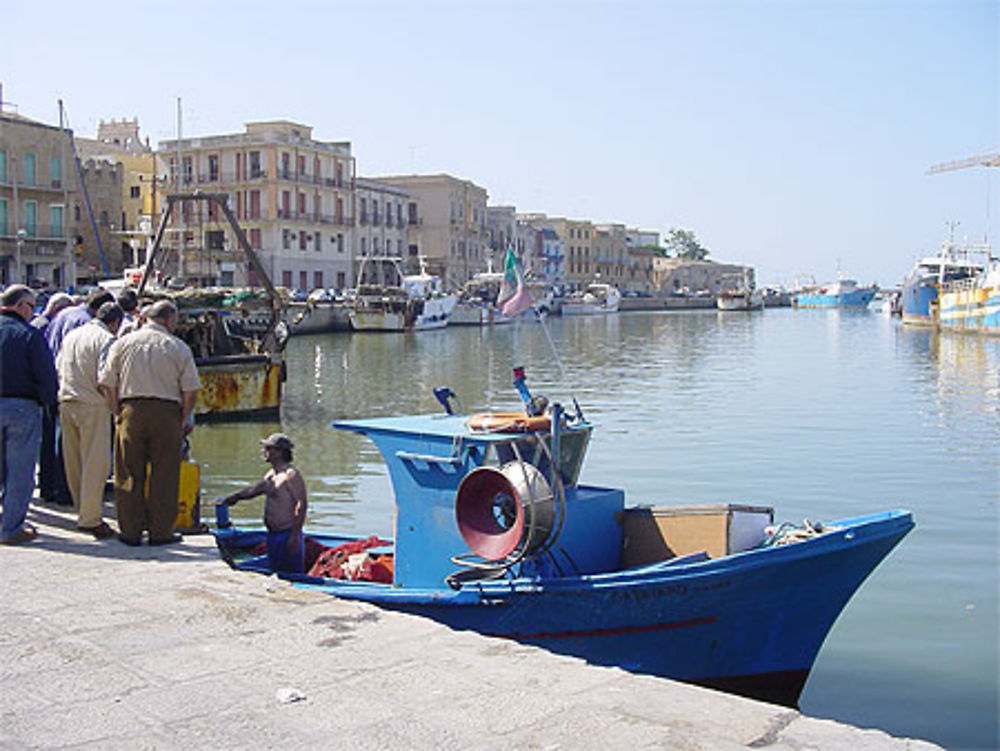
{"points": [[988, 159]]}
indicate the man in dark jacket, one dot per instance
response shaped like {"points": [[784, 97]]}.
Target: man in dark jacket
{"points": [[27, 384], [52, 486]]}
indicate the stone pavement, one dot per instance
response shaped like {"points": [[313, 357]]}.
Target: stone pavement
{"points": [[103, 646]]}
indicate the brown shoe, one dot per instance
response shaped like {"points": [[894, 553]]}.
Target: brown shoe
{"points": [[27, 533], [101, 532]]}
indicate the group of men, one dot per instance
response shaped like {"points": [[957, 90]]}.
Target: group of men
{"points": [[64, 377], [66, 374]]}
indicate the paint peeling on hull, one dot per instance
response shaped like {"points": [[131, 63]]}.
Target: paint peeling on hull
{"points": [[237, 388]]}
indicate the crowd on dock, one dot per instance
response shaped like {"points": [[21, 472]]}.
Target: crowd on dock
{"points": [[84, 383]]}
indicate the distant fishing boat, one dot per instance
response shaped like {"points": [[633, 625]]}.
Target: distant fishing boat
{"points": [[955, 262], [386, 299], [843, 293], [477, 301], [597, 299], [495, 533], [744, 296]]}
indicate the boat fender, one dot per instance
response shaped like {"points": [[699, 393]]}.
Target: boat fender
{"points": [[509, 422]]}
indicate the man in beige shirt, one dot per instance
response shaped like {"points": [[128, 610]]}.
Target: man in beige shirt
{"points": [[85, 416], [151, 381]]}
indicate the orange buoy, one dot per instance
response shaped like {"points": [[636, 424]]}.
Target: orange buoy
{"points": [[509, 422]]}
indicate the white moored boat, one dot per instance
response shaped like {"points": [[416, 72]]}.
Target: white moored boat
{"points": [[597, 299], [388, 300]]}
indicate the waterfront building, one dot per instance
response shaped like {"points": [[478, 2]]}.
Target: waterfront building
{"points": [[293, 195], [610, 256], [501, 223], [683, 276], [530, 250], [642, 238], [446, 219], [577, 235], [97, 244], [142, 185], [381, 222], [36, 191], [552, 266]]}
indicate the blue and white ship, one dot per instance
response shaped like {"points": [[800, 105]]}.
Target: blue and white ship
{"points": [[972, 305], [922, 286], [843, 293]]}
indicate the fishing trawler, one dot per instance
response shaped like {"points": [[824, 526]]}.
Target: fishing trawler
{"points": [[743, 296], [843, 293], [972, 305], [954, 263], [386, 299], [237, 336], [477, 301]]}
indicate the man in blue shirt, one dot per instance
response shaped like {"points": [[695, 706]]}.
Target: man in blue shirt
{"points": [[52, 484], [27, 384]]}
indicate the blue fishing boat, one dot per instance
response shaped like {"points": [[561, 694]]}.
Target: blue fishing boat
{"points": [[495, 533], [954, 263], [844, 293]]}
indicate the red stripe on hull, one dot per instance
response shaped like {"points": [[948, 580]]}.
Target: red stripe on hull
{"points": [[608, 631]]}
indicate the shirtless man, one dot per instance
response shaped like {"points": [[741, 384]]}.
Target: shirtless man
{"points": [[285, 508]]}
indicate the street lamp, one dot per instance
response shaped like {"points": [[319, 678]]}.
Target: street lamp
{"points": [[21, 234]]}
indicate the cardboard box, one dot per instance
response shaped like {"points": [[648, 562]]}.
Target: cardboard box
{"points": [[655, 533]]}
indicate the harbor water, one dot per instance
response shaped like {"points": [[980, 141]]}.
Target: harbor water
{"points": [[821, 414]]}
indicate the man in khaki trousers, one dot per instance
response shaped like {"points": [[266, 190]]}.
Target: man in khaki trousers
{"points": [[85, 416], [151, 379]]}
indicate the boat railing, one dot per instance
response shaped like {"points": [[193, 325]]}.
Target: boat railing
{"points": [[959, 285]]}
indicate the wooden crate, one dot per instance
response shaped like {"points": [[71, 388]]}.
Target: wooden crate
{"points": [[656, 533]]}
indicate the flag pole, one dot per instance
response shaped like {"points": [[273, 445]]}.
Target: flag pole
{"points": [[548, 337]]}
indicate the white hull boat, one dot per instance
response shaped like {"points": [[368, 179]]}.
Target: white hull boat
{"points": [[597, 299]]}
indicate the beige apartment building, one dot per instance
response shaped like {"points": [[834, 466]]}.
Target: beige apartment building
{"points": [[610, 255], [36, 195], [578, 237], [293, 195], [381, 220], [447, 221]]}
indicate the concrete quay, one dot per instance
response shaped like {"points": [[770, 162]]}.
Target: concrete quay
{"points": [[104, 646]]}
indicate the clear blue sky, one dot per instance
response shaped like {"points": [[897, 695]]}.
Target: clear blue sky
{"points": [[786, 135]]}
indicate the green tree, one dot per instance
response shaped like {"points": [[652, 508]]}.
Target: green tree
{"points": [[682, 243]]}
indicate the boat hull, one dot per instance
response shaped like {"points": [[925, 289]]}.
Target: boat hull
{"points": [[740, 301], [317, 318], [917, 299], [751, 623], [858, 298], [974, 306], [478, 315], [239, 387], [434, 313], [573, 308]]}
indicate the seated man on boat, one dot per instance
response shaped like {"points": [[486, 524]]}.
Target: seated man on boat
{"points": [[285, 507]]}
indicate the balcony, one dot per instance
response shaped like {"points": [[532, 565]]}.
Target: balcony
{"points": [[38, 233]]}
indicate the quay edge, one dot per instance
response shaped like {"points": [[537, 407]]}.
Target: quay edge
{"points": [[106, 646]]}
